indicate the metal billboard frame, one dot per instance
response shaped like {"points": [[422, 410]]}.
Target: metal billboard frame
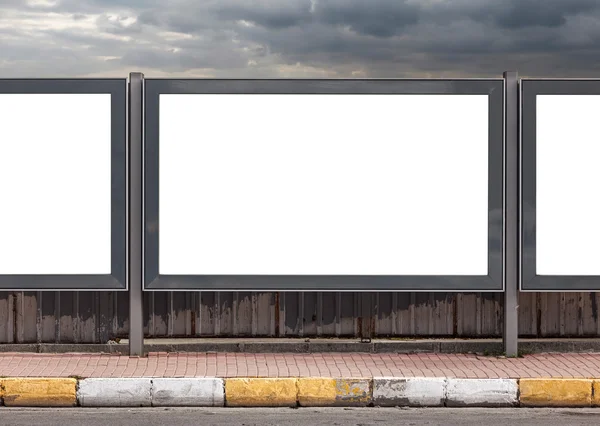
{"points": [[118, 278], [529, 281], [494, 281]]}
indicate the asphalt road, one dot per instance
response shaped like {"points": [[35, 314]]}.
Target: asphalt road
{"points": [[300, 417]]}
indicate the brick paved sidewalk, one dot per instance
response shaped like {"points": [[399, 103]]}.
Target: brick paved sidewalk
{"points": [[299, 365]]}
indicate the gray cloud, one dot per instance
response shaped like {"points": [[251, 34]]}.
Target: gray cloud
{"points": [[542, 13], [378, 18], [299, 38], [273, 14]]}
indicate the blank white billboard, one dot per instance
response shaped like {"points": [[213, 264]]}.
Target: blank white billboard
{"points": [[323, 184], [55, 184], [567, 177]]}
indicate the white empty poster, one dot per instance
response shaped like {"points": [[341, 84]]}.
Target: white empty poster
{"points": [[323, 184], [55, 184], [567, 176]]}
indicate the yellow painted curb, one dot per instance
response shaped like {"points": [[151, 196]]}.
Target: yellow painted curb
{"points": [[257, 392], [30, 392], [555, 392], [323, 392], [353, 392], [596, 393], [316, 392]]}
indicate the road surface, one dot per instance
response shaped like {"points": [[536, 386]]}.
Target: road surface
{"points": [[300, 417]]}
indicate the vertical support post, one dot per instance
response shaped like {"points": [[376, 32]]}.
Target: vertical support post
{"points": [[136, 300], [511, 277]]}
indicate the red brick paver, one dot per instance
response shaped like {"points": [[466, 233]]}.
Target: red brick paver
{"points": [[299, 365]]}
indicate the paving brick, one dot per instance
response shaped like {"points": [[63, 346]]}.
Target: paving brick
{"points": [[300, 365]]}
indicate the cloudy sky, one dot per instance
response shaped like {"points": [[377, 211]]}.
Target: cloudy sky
{"points": [[299, 38]]}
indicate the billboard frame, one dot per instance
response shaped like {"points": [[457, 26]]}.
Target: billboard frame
{"points": [[529, 281], [492, 282], [117, 280]]}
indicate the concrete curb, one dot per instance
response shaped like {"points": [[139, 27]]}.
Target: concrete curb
{"points": [[482, 393], [261, 392], [119, 392], [440, 392], [155, 392], [326, 392], [193, 392], [409, 392], [556, 392], [38, 392], [317, 345], [301, 391]]}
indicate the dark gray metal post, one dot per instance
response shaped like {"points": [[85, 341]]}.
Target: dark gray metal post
{"points": [[511, 278], [136, 300]]}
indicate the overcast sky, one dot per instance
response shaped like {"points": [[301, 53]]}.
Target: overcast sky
{"points": [[299, 38]]}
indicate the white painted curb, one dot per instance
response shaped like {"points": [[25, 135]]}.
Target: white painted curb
{"points": [[210, 392], [193, 392], [482, 393], [409, 392], [117, 392]]}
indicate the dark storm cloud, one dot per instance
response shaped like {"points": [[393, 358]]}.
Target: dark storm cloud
{"points": [[378, 18], [341, 38], [542, 13], [273, 14]]}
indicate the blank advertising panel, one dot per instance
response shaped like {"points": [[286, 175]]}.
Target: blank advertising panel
{"points": [[63, 174], [560, 208], [313, 185]]}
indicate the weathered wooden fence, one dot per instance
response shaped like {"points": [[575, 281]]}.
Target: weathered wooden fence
{"points": [[96, 317]]}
